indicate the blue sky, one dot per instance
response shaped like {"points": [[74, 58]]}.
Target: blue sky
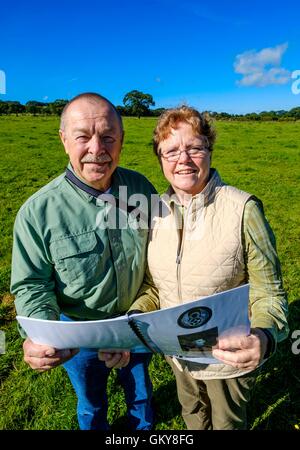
{"points": [[234, 56]]}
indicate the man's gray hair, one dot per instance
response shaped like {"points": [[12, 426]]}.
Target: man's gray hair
{"points": [[88, 96]]}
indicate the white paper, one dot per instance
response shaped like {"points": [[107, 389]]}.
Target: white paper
{"points": [[174, 331], [105, 334], [229, 316]]}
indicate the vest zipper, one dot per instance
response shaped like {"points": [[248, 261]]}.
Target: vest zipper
{"points": [[179, 253], [178, 260]]}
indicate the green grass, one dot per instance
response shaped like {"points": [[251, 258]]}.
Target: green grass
{"points": [[261, 158]]}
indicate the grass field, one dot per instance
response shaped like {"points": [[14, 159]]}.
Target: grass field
{"points": [[261, 158]]}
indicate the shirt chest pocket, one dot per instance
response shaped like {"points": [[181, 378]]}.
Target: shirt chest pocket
{"points": [[76, 258]]}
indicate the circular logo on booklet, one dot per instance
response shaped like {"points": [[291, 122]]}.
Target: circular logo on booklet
{"points": [[195, 317]]}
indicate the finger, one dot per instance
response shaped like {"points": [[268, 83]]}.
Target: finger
{"points": [[104, 356], [260, 341], [113, 361], [238, 356], [42, 363], [232, 342], [241, 359], [230, 363], [118, 360], [124, 361], [36, 350], [107, 354], [60, 356], [66, 354]]}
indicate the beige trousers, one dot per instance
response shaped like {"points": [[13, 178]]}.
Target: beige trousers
{"points": [[213, 404]]}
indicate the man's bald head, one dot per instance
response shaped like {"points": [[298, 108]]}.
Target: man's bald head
{"points": [[92, 98]]}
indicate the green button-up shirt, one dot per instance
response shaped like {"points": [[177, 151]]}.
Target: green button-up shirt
{"points": [[68, 257]]}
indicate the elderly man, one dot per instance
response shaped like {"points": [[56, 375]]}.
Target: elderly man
{"points": [[69, 263]]}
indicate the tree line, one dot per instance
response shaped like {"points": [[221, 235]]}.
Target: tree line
{"points": [[281, 115], [137, 104]]}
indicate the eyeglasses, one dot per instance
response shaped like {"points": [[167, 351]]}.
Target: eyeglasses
{"points": [[194, 152]]}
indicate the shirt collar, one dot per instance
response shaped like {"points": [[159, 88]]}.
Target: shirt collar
{"points": [[88, 192]]}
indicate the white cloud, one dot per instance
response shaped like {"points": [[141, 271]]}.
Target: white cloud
{"points": [[275, 75], [262, 68], [45, 97]]}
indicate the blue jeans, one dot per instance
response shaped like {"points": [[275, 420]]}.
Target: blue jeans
{"points": [[89, 377]]}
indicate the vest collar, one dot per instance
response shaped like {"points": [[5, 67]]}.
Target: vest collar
{"points": [[209, 192]]}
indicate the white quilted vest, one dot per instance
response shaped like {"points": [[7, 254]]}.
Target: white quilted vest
{"points": [[204, 258]]}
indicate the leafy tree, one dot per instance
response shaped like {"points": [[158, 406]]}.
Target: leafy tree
{"points": [[157, 112], [57, 106], [252, 116], [33, 107], [15, 107], [137, 103], [122, 110], [295, 112], [3, 107]]}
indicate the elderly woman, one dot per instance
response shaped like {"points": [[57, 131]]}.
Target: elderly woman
{"points": [[220, 240]]}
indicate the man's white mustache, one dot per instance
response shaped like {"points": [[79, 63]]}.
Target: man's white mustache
{"points": [[96, 159]]}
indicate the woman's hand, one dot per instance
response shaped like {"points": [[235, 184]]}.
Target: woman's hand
{"points": [[242, 352]]}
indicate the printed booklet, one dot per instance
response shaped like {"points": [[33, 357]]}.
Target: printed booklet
{"points": [[187, 331]]}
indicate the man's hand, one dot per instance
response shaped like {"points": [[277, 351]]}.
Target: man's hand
{"points": [[242, 352], [114, 359], [44, 357]]}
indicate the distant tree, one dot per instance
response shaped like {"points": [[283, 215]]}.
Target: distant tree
{"points": [[281, 112], [157, 112], [295, 113], [122, 110], [3, 108], [15, 107], [222, 116], [252, 116], [33, 107], [46, 109], [137, 103], [57, 106], [268, 115]]}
